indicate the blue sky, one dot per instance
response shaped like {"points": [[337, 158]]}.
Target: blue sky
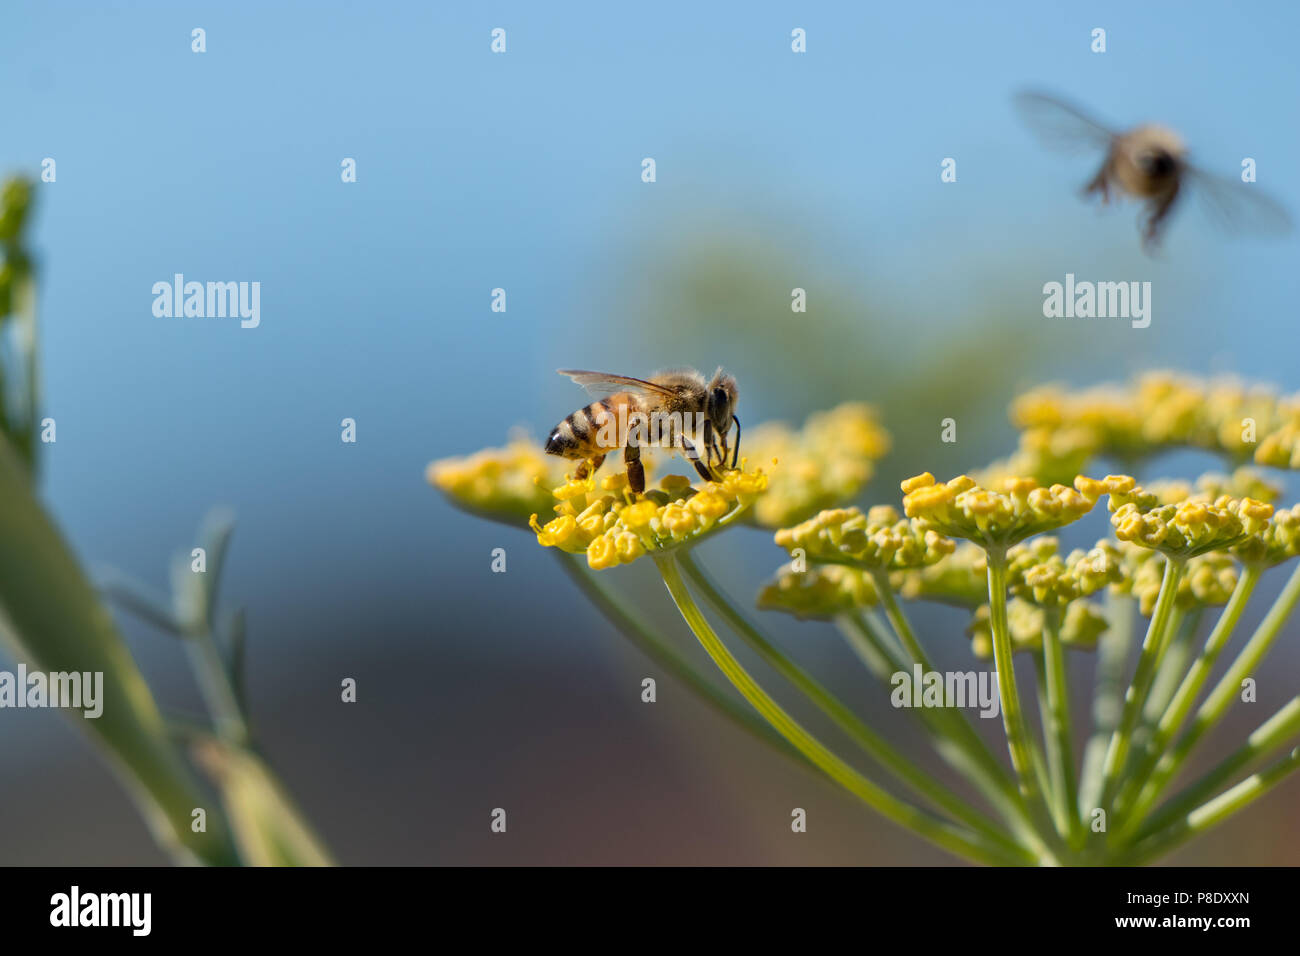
{"points": [[522, 171]]}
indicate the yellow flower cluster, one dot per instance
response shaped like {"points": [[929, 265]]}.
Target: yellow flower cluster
{"points": [[613, 529], [1081, 624], [1162, 410], [1182, 528], [819, 592], [1048, 455], [508, 483], [1039, 575], [1278, 541], [823, 464], [881, 539], [1281, 448], [1209, 579], [1014, 509]]}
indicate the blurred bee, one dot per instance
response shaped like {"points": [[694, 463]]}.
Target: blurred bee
{"points": [[674, 409], [1150, 163]]}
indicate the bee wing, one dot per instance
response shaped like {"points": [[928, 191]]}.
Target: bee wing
{"points": [[1236, 207], [1060, 126], [603, 383]]}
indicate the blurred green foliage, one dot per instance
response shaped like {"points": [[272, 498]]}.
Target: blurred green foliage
{"points": [[19, 376]]}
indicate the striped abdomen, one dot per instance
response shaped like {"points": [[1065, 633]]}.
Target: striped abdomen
{"points": [[595, 430]]}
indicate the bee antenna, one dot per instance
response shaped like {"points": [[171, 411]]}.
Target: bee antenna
{"points": [[735, 452]]}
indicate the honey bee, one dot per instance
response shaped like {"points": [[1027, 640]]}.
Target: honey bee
{"points": [[1150, 163], [674, 409]]}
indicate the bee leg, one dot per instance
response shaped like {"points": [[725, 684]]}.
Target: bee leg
{"points": [[1157, 210], [710, 443], [589, 467], [694, 456], [1099, 184], [635, 470]]}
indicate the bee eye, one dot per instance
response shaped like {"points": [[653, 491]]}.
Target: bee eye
{"points": [[719, 399]]}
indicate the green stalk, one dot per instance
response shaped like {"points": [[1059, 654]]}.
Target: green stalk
{"points": [[956, 724], [902, 626], [665, 656], [1214, 811], [1056, 723], [1107, 702], [1013, 716], [55, 621], [1148, 660], [1183, 625], [1268, 737], [1176, 712], [1226, 690], [954, 839], [872, 743], [866, 635]]}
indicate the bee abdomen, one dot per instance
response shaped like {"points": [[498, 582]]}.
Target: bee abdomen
{"points": [[575, 437]]}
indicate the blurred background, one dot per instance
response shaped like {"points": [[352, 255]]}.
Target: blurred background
{"points": [[523, 171]]}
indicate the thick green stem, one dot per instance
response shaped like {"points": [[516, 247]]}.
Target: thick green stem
{"points": [[866, 635], [665, 656], [872, 743], [1183, 625], [1107, 703], [1013, 716], [1267, 738], [1214, 811], [955, 839], [1181, 704], [56, 622], [1056, 721], [1149, 659], [913, 653], [1225, 691]]}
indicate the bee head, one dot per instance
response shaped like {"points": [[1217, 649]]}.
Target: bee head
{"points": [[720, 404], [1157, 163], [1157, 152]]}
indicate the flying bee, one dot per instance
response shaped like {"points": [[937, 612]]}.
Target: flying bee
{"points": [[1150, 163], [674, 409]]}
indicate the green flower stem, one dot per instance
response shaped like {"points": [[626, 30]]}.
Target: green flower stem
{"points": [[1107, 702], [1267, 738], [955, 839], [1175, 655], [861, 734], [1056, 723], [1181, 704], [1214, 811], [664, 655], [1148, 660], [975, 762], [1041, 763], [864, 634], [1183, 625], [1013, 716], [902, 626], [1225, 691], [956, 723]]}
